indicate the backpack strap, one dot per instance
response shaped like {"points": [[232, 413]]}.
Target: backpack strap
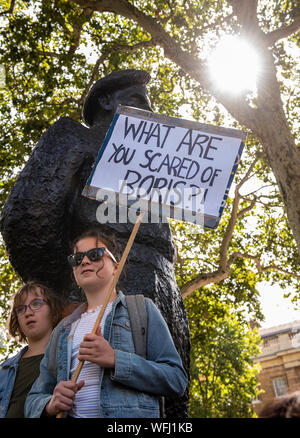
{"points": [[138, 316], [138, 320]]}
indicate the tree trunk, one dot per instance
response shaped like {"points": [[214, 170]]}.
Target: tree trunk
{"points": [[284, 159], [268, 122]]}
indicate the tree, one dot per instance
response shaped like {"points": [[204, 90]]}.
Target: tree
{"points": [[223, 377], [239, 252], [9, 283], [264, 115]]}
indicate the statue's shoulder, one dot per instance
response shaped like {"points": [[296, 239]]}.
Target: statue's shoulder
{"points": [[63, 134], [66, 125]]}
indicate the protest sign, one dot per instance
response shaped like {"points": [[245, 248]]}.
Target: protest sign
{"points": [[167, 166]]}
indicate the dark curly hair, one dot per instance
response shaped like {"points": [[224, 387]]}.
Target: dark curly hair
{"points": [[54, 301], [287, 406], [109, 239]]}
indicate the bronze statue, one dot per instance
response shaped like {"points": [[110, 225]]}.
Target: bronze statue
{"points": [[46, 210]]}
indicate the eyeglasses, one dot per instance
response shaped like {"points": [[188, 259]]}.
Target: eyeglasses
{"points": [[94, 255], [34, 305]]}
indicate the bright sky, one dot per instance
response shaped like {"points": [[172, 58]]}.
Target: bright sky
{"points": [[234, 65], [276, 309]]}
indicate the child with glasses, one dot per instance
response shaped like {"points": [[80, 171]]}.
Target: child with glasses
{"points": [[114, 381], [36, 310]]}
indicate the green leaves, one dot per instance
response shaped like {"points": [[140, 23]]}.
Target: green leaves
{"points": [[223, 376], [9, 284]]}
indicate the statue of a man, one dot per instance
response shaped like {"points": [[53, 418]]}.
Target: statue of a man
{"points": [[46, 210]]}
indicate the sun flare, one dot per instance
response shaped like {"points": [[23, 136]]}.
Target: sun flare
{"points": [[234, 65]]}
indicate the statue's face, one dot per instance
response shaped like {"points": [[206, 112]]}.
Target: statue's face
{"points": [[135, 96]]}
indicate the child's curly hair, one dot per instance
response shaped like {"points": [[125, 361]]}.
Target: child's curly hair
{"points": [[54, 301]]}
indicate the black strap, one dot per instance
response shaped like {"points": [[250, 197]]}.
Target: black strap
{"points": [[138, 320], [137, 311]]}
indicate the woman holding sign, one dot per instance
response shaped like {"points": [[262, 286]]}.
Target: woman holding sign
{"points": [[114, 381]]}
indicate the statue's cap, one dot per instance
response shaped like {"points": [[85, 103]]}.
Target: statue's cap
{"points": [[115, 81]]}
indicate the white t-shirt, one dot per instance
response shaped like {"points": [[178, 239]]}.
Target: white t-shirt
{"points": [[86, 403]]}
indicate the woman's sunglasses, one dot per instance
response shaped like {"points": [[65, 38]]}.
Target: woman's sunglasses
{"points": [[94, 255]]}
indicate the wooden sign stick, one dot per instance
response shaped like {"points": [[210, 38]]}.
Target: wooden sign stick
{"points": [[110, 291]]}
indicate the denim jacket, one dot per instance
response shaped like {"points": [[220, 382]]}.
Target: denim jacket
{"points": [[8, 372], [133, 387]]}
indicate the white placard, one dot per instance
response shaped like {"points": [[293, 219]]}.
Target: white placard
{"points": [[182, 166]]}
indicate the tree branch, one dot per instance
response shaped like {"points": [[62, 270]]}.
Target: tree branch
{"points": [[223, 270], [75, 38], [257, 190], [126, 48], [246, 13], [229, 231], [191, 65], [217, 276], [218, 22], [115, 48], [246, 209], [258, 156], [202, 280], [282, 32], [235, 214], [60, 19], [283, 271], [260, 268], [50, 54], [10, 10]]}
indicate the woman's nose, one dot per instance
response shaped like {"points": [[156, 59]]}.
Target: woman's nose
{"points": [[85, 260]]}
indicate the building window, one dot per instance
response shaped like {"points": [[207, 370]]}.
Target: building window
{"points": [[269, 342], [280, 386]]}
